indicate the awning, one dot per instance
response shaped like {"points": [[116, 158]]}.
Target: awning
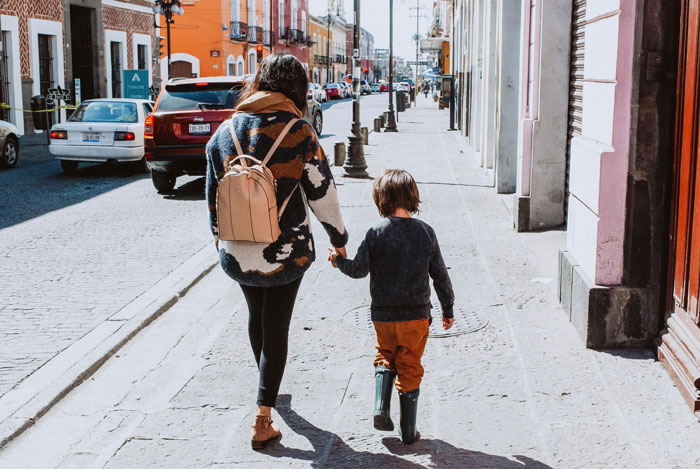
{"points": [[432, 44]]}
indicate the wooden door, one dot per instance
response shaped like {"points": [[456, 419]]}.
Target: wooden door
{"points": [[679, 347]]}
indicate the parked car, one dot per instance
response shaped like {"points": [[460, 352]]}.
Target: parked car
{"points": [[334, 91], [102, 130], [364, 87], [348, 89], [316, 92], [9, 143], [186, 115], [375, 88], [383, 87], [404, 86]]}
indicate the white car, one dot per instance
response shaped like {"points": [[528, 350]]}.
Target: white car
{"points": [[404, 86], [102, 130], [318, 93]]}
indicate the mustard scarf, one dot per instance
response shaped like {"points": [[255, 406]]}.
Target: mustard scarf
{"points": [[262, 102]]}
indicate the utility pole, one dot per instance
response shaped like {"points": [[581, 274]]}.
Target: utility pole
{"points": [[167, 8], [391, 118], [418, 8], [356, 166], [328, 50]]}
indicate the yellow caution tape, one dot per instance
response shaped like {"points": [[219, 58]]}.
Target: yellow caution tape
{"points": [[7, 106]]}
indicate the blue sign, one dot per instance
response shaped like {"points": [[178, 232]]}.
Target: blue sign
{"points": [[135, 84]]}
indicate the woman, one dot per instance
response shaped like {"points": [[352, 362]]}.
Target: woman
{"points": [[270, 274]]}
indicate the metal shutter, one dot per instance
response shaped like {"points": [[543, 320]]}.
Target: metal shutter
{"points": [[578, 43]]}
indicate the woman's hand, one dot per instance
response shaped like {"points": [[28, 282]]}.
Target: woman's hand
{"points": [[341, 251]]}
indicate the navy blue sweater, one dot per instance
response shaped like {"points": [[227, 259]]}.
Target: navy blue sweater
{"points": [[400, 254]]}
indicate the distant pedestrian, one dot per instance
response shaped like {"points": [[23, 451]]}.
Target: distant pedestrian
{"points": [[399, 253], [426, 90], [270, 273]]}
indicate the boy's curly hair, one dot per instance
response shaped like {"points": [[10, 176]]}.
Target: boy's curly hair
{"points": [[395, 189]]}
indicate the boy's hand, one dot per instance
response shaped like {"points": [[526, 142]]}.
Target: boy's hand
{"points": [[447, 323], [332, 254]]}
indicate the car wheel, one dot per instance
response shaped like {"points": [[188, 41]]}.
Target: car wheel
{"points": [[10, 153], [69, 167], [318, 123], [163, 182]]}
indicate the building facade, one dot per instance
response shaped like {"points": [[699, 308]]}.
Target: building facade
{"points": [[367, 56], [587, 116], [319, 55], [292, 20], [52, 43]]}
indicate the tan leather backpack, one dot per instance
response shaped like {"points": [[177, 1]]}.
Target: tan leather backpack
{"points": [[246, 200]]}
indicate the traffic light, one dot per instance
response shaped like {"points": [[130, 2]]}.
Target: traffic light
{"points": [[259, 50], [159, 47]]}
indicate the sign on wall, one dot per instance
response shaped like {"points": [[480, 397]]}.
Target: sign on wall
{"points": [[135, 84]]}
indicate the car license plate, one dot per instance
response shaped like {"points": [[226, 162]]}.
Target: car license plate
{"points": [[199, 129], [91, 137]]}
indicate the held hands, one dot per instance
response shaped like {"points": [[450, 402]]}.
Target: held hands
{"points": [[334, 252], [447, 323]]}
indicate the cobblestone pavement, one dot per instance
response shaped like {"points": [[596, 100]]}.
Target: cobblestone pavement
{"points": [[522, 392], [75, 250]]}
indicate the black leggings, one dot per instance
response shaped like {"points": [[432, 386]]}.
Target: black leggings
{"points": [[270, 311]]}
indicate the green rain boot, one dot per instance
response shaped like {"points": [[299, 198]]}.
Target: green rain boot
{"points": [[384, 383], [409, 412]]}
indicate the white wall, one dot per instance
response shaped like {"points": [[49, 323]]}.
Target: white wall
{"points": [[10, 24]]}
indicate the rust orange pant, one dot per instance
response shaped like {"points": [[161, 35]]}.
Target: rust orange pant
{"points": [[400, 347]]}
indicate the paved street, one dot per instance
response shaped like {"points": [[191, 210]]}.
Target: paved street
{"points": [[76, 250], [522, 392]]}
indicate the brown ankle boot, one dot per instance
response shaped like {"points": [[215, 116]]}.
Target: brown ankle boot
{"points": [[264, 431]]}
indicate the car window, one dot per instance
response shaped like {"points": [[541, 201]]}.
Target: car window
{"points": [[199, 96], [147, 109], [332, 85], [105, 111]]}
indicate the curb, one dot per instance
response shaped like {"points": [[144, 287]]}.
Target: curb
{"points": [[23, 405]]}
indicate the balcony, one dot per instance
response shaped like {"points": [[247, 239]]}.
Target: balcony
{"points": [[255, 34], [268, 37], [299, 36], [239, 31], [290, 36], [340, 59], [320, 59]]}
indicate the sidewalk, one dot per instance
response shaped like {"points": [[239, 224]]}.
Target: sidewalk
{"points": [[522, 392]]}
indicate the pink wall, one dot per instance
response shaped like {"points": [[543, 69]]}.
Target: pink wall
{"points": [[614, 165]]}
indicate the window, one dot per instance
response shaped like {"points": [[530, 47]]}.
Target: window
{"points": [[105, 111], [235, 10], [294, 16], [187, 97], [281, 18], [252, 63], [46, 78], [241, 69], [141, 52], [303, 22], [315, 44], [4, 76], [147, 109], [252, 21], [115, 49]]}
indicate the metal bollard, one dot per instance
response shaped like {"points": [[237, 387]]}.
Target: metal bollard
{"points": [[365, 135], [339, 153], [378, 124]]}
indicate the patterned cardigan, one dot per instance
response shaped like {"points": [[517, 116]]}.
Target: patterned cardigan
{"points": [[299, 160]]}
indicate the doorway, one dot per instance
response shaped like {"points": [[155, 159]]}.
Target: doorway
{"points": [[679, 345], [180, 69], [81, 37]]}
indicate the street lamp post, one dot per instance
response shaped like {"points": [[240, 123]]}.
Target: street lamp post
{"points": [[391, 118], [167, 8], [356, 166]]}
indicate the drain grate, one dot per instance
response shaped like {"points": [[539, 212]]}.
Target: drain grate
{"points": [[465, 321]]}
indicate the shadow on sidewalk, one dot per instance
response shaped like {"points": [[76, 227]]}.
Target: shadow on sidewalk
{"points": [[329, 450], [192, 190]]}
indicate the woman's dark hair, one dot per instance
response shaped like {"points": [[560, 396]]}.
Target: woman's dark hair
{"points": [[393, 190], [283, 73]]}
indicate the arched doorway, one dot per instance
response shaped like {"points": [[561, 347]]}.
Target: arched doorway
{"points": [[180, 69]]}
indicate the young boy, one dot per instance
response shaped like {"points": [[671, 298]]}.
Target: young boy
{"points": [[399, 253]]}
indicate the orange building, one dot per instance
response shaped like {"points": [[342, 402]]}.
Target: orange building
{"points": [[217, 38]]}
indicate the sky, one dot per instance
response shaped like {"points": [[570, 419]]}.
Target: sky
{"points": [[374, 17]]}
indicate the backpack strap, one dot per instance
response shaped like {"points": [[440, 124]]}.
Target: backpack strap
{"points": [[277, 143], [286, 201], [236, 142]]}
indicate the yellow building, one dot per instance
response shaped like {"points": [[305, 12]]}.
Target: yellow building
{"points": [[318, 55]]}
